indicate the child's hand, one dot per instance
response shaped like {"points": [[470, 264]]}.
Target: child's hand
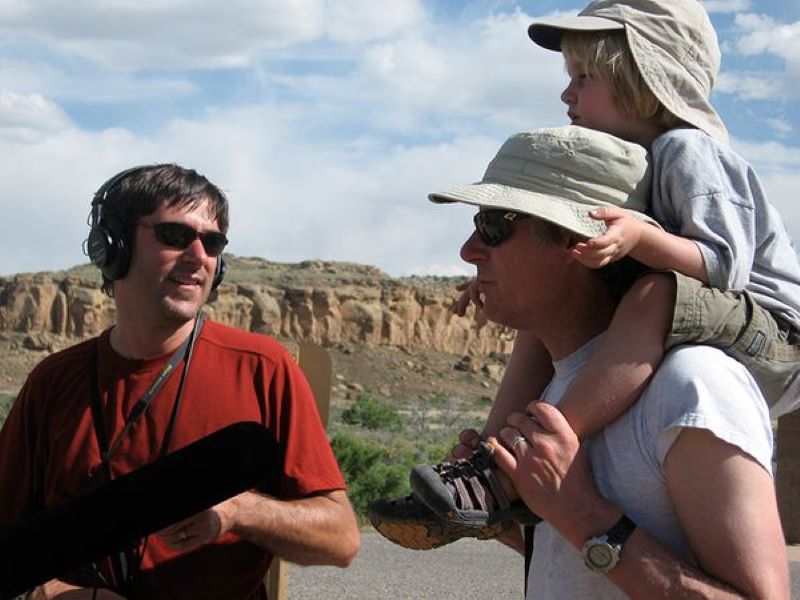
{"points": [[624, 232], [469, 293], [467, 443]]}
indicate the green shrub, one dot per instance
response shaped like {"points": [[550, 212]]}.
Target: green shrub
{"points": [[376, 446], [371, 413], [368, 469]]}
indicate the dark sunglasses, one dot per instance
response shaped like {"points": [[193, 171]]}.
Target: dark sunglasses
{"points": [[494, 226], [180, 235]]}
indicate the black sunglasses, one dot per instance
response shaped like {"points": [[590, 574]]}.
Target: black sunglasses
{"points": [[494, 226], [180, 235]]}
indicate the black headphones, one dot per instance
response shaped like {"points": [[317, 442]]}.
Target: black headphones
{"points": [[108, 246]]}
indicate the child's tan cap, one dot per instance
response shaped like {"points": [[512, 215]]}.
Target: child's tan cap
{"points": [[673, 43]]}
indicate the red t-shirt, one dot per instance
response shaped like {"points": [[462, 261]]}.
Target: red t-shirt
{"points": [[49, 451]]}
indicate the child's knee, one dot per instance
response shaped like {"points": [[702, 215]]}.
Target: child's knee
{"points": [[653, 288], [649, 304]]}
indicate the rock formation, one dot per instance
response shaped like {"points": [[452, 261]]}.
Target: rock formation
{"points": [[325, 302]]}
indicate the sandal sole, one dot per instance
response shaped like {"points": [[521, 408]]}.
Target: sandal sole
{"points": [[418, 536]]}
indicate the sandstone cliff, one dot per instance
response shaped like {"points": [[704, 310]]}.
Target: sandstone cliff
{"points": [[325, 302]]}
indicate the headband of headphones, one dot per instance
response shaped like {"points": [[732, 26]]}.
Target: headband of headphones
{"points": [[100, 195]]}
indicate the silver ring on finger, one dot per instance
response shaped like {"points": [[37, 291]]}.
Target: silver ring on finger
{"points": [[518, 439]]}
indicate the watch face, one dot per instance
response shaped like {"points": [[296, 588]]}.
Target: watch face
{"points": [[599, 555]]}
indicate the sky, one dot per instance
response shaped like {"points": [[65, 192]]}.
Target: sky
{"points": [[326, 122]]}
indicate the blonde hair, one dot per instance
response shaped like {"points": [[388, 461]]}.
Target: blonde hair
{"points": [[606, 54]]}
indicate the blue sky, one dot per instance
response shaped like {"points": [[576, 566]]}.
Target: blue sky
{"points": [[326, 121]]}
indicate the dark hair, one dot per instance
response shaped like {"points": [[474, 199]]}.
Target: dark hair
{"points": [[552, 233], [147, 188], [618, 275]]}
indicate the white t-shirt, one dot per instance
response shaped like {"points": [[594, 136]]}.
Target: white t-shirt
{"points": [[695, 386]]}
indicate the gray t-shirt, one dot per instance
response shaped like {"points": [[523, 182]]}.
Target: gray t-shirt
{"points": [[704, 191], [695, 386]]}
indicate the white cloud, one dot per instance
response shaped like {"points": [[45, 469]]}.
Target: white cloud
{"points": [[46, 189], [299, 189], [28, 76], [196, 34], [292, 199], [757, 35], [763, 34], [751, 86], [359, 20], [778, 168], [489, 70], [726, 6], [29, 118], [335, 166], [769, 155], [781, 188], [781, 127]]}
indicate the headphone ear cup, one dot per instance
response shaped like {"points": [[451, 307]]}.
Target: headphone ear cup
{"points": [[99, 247], [108, 251], [219, 274]]}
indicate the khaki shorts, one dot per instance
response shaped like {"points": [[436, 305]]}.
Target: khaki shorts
{"points": [[736, 324]]}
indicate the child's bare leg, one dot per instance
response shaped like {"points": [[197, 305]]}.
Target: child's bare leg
{"points": [[528, 371], [620, 367]]}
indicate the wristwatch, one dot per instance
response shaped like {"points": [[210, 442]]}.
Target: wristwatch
{"points": [[601, 552]]}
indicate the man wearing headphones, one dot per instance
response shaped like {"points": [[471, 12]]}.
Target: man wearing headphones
{"points": [[161, 378]]}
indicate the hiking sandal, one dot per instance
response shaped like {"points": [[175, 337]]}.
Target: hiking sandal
{"points": [[467, 492], [407, 522]]}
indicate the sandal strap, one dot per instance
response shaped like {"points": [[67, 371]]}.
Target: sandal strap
{"points": [[485, 463], [471, 479]]}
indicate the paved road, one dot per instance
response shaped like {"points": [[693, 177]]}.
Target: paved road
{"points": [[466, 569]]}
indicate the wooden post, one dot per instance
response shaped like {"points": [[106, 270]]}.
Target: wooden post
{"points": [[277, 580], [315, 362], [787, 476]]}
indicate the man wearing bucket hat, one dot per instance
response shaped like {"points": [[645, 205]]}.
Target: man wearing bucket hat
{"points": [[643, 70], [679, 494]]}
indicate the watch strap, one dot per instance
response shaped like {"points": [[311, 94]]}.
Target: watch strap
{"points": [[609, 546], [621, 531]]}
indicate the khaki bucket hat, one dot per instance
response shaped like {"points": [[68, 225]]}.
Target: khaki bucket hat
{"points": [[559, 175], [673, 43]]}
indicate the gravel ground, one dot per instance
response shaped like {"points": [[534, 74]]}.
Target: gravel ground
{"points": [[465, 569]]}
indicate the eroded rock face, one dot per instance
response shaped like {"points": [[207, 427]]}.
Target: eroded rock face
{"points": [[324, 302], [67, 306]]}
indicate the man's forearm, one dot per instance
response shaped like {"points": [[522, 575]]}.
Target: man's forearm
{"points": [[320, 530], [648, 569]]}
